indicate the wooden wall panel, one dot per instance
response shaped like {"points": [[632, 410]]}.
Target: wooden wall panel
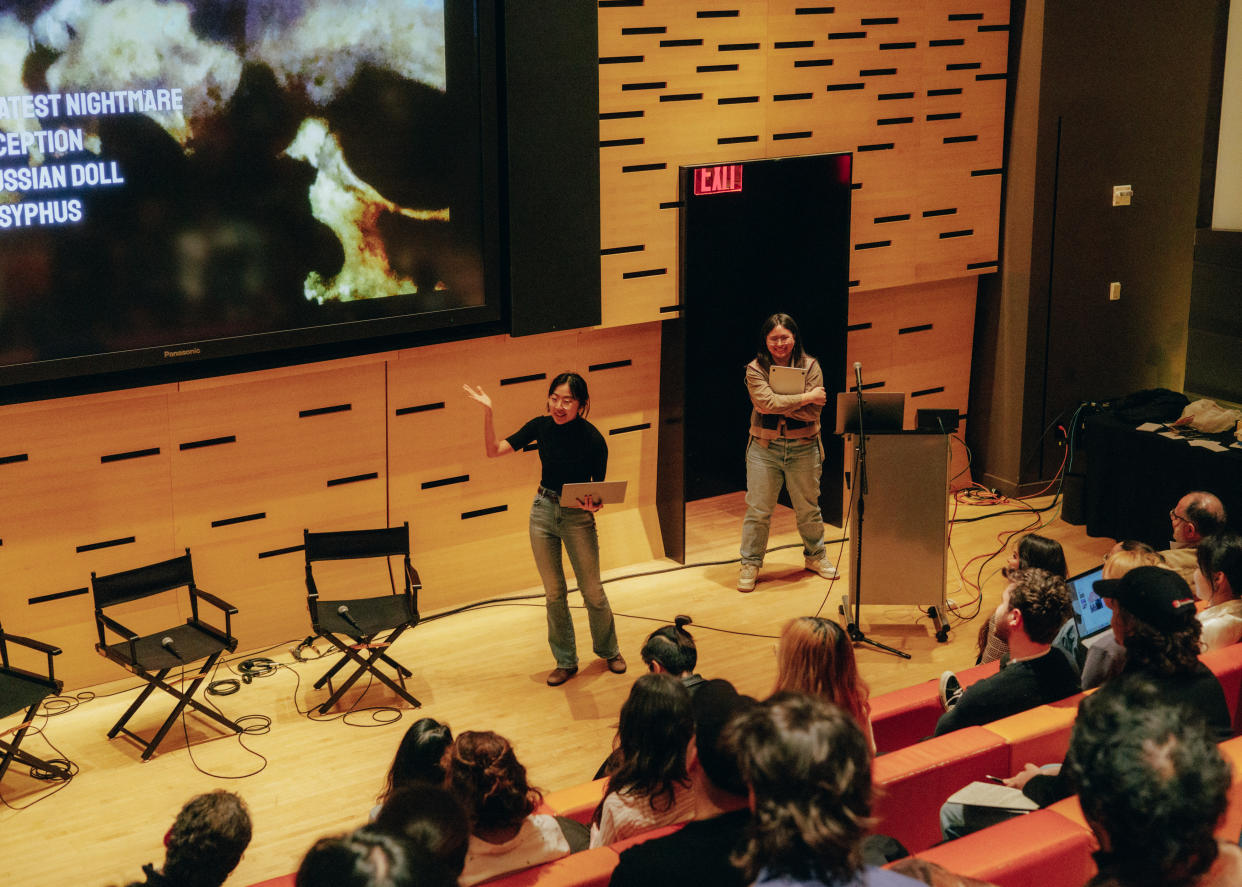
{"points": [[914, 89]]}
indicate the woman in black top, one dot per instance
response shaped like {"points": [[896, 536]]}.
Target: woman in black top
{"points": [[571, 450]]}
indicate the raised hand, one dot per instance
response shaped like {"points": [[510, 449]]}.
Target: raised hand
{"points": [[478, 394]]}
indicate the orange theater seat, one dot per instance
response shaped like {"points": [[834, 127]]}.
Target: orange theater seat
{"points": [[1039, 735], [282, 881], [590, 868], [1040, 849], [911, 783], [1231, 825], [578, 802], [904, 717]]}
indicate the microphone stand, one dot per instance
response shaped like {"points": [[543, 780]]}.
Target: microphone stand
{"points": [[860, 479]]}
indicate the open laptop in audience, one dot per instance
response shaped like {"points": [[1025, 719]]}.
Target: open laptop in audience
{"points": [[1091, 614]]}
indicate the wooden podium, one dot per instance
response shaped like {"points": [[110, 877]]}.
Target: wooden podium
{"points": [[905, 520]]}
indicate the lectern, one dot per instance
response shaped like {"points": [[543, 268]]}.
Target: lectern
{"points": [[907, 519]]}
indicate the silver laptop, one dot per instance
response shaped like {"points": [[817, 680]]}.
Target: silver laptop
{"points": [[605, 492], [787, 380]]}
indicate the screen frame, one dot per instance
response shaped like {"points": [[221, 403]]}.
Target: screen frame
{"points": [[472, 57]]}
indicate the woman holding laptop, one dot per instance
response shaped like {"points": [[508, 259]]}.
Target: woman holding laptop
{"points": [[784, 447], [571, 450]]}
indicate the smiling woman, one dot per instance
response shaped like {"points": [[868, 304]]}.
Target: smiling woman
{"points": [[571, 450]]}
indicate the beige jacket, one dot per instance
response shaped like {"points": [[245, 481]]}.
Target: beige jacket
{"points": [[783, 415]]}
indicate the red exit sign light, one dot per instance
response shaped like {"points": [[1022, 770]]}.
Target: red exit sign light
{"points": [[725, 179]]}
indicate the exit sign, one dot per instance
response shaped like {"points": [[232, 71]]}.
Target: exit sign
{"points": [[724, 179]]}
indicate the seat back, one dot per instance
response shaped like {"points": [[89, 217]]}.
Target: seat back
{"points": [[140, 582], [350, 544]]}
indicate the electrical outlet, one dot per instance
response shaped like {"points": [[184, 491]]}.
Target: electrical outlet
{"points": [[1122, 195], [1114, 292]]}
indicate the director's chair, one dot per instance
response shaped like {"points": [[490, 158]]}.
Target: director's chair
{"points": [[355, 625], [152, 656], [22, 690]]}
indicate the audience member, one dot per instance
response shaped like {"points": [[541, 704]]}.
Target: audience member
{"points": [[1032, 609], [1106, 657], [205, 843], [807, 766], [1218, 583], [1153, 787], [1196, 515], [1032, 550], [815, 655], [671, 650], [650, 786], [1154, 619], [368, 858], [506, 835], [418, 758], [699, 853], [430, 818]]}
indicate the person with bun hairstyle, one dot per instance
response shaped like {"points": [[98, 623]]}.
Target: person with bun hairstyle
{"points": [[506, 835], [671, 650], [418, 759], [571, 450], [783, 450]]}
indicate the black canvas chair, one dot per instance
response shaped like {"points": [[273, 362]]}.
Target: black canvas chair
{"points": [[24, 691], [363, 628], [152, 656]]}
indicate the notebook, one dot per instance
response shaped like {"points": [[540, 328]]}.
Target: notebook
{"points": [[1091, 614]]}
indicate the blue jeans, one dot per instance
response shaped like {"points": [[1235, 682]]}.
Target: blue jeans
{"points": [[797, 465], [550, 527]]}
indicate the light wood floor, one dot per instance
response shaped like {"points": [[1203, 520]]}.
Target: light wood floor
{"points": [[483, 669]]}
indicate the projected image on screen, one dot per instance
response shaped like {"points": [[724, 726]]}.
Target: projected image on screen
{"points": [[178, 173]]}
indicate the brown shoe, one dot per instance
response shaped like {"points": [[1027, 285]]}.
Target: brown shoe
{"points": [[558, 676], [616, 664]]}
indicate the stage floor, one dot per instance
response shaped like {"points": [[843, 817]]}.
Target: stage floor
{"points": [[482, 669]]}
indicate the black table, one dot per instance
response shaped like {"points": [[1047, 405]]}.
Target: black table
{"points": [[1133, 479]]}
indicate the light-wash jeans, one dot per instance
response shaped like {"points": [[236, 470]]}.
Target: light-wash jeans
{"points": [[797, 465], [550, 526]]}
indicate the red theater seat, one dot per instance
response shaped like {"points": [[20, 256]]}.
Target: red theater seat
{"points": [[904, 717], [577, 802], [912, 783], [1226, 664], [590, 868]]}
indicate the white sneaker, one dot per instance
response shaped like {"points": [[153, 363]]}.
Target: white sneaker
{"points": [[747, 574], [950, 690], [822, 566]]}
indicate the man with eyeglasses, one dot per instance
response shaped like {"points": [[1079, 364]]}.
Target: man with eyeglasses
{"points": [[1196, 515]]}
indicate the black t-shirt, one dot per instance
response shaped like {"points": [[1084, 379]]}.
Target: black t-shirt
{"points": [[1016, 687], [572, 453], [696, 855]]}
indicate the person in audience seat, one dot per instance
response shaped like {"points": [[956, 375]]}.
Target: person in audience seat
{"points": [[430, 818], [650, 786], [205, 843], [1197, 514], [1153, 787], [671, 650], [1106, 657], [506, 835], [1154, 619], [815, 655], [1032, 550], [1218, 583], [419, 759], [1033, 608], [369, 858], [807, 767], [699, 854]]}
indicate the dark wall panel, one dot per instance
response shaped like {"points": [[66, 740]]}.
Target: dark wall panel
{"points": [[551, 94], [1215, 340]]}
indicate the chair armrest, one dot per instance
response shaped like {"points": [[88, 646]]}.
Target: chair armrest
{"points": [[215, 601], [117, 627], [32, 644]]}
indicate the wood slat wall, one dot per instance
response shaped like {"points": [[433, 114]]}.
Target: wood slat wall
{"points": [[234, 468]]}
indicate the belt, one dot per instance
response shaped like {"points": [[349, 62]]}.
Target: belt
{"points": [[548, 494], [772, 421]]}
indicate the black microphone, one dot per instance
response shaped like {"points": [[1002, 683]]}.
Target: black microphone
{"points": [[858, 374], [168, 645], [344, 611]]}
